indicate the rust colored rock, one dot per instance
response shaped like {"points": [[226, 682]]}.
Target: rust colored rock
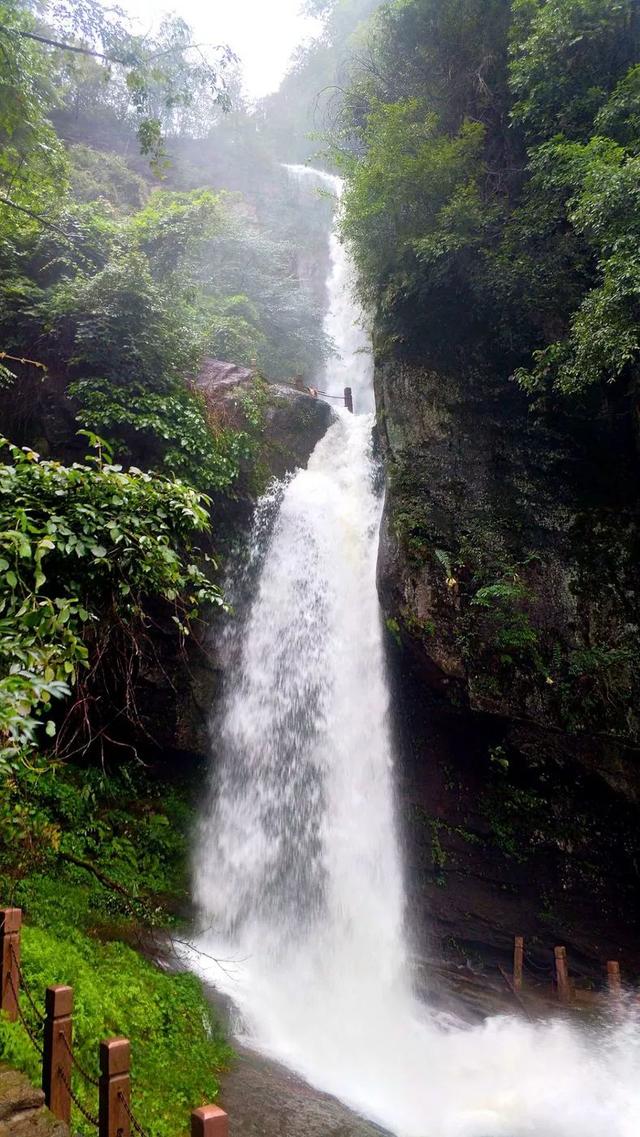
{"points": [[293, 420], [216, 375], [33, 1123], [22, 1109], [17, 1094]]}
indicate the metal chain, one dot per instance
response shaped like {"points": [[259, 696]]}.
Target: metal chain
{"points": [[81, 1069], [25, 986], [24, 1022], [541, 968], [132, 1118], [85, 1113]]}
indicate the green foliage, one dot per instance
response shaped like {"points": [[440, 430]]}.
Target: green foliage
{"points": [[393, 627], [95, 175], [312, 90], [602, 187], [32, 161], [519, 818], [506, 627], [55, 824], [438, 855], [117, 295], [160, 75], [118, 993], [118, 322], [589, 679], [132, 828], [492, 197], [205, 456], [619, 118], [567, 57], [77, 544], [437, 217]]}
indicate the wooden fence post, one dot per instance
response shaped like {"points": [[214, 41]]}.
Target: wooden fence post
{"points": [[10, 922], [348, 399], [56, 1058], [562, 975], [115, 1088], [614, 981], [518, 959], [210, 1121]]}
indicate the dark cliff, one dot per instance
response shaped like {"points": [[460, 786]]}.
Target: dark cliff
{"points": [[508, 576]]}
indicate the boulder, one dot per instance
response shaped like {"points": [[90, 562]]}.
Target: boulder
{"points": [[293, 419], [22, 1109]]}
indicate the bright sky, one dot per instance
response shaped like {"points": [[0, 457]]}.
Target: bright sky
{"points": [[262, 32]]}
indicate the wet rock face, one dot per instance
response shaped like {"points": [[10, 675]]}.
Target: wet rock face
{"points": [[508, 575], [293, 421]]}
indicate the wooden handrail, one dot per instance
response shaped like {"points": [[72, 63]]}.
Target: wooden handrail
{"points": [[11, 921], [115, 1117], [57, 1053]]}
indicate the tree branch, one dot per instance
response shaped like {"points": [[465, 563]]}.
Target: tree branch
{"points": [[133, 61], [91, 258], [107, 881], [68, 46], [34, 216]]}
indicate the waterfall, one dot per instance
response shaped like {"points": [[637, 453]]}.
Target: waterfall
{"points": [[343, 323], [298, 871]]}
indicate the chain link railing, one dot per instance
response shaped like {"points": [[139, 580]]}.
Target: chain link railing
{"points": [[131, 1115], [35, 1042], [24, 985], [81, 1070], [58, 1057], [75, 1099]]}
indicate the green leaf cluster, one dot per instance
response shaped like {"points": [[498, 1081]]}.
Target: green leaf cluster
{"points": [[491, 155], [78, 545]]}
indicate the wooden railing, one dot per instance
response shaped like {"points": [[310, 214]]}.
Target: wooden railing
{"points": [[115, 1117], [557, 974], [347, 397]]}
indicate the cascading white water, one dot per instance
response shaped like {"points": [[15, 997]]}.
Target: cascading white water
{"points": [[298, 870], [343, 322]]}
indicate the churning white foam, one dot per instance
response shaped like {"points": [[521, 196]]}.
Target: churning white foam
{"points": [[298, 874]]}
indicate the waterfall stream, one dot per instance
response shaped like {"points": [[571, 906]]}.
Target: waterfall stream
{"points": [[298, 875]]}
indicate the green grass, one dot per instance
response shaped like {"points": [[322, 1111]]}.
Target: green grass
{"points": [[77, 931], [177, 1047]]}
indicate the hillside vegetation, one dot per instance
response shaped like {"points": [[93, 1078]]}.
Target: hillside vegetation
{"points": [[145, 226]]}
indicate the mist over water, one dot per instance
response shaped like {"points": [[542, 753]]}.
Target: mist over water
{"points": [[299, 877]]}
